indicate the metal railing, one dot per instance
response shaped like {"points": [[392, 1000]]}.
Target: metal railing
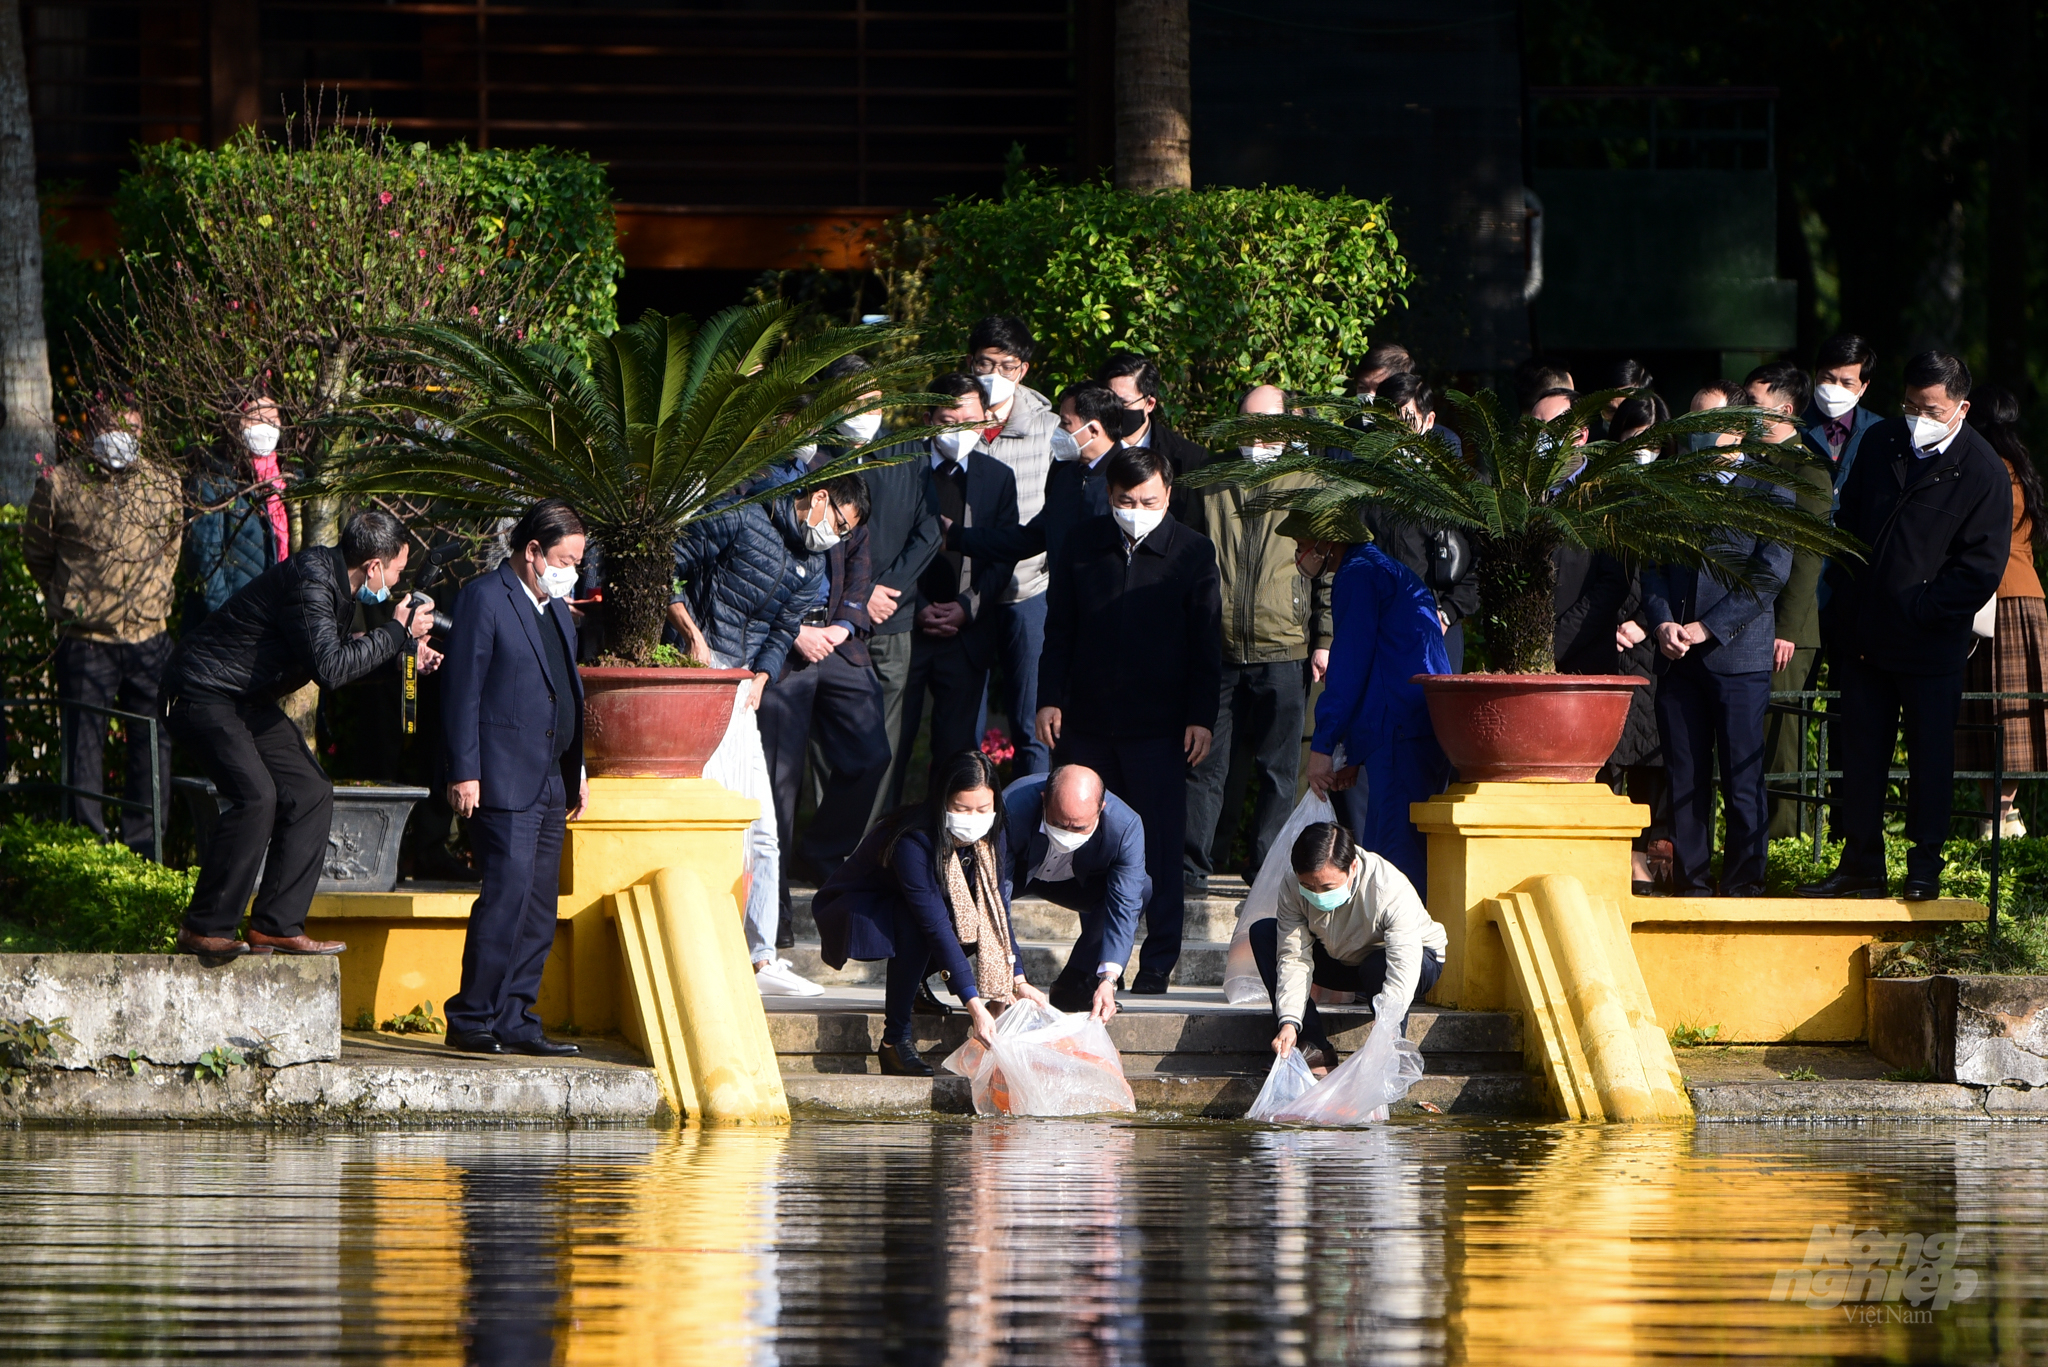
{"points": [[157, 779], [1803, 704]]}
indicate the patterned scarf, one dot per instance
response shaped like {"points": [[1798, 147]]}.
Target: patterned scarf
{"points": [[976, 900]]}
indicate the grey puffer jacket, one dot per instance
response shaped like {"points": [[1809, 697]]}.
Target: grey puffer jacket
{"points": [[747, 577]]}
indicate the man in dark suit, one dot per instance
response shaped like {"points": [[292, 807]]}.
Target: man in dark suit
{"points": [[1082, 848], [1132, 671], [1835, 422], [1715, 685], [513, 710], [1933, 502], [827, 694], [957, 632], [1134, 380]]}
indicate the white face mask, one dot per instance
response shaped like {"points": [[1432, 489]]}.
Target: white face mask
{"points": [[1063, 447], [1066, 841], [261, 438], [803, 455], [1927, 431], [968, 827], [954, 446], [1646, 456], [999, 388], [1833, 399], [861, 427], [822, 536], [1261, 451], [1138, 523], [558, 580], [116, 450]]}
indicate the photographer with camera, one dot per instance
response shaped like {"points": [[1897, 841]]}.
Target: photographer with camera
{"points": [[512, 705], [285, 628]]}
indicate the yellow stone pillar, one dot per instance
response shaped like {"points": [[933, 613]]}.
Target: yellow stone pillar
{"points": [[633, 829], [1485, 839]]}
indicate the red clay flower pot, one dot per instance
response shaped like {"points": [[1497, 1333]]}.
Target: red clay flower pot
{"points": [[655, 723], [1503, 727]]}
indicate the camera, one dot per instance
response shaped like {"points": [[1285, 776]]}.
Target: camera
{"points": [[429, 580]]}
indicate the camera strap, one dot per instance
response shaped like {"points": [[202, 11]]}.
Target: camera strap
{"points": [[409, 688]]}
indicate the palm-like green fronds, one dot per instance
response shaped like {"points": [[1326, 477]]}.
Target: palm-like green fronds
{"points": [[1521, 489], [667, 422]]}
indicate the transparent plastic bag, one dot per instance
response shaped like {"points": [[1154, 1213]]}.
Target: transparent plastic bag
{"points": [[1359, 1090], [1044, 1062], [1289, 1079], [1241, 982]]}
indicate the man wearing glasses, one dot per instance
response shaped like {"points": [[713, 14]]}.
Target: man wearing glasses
{"points": [[1021, 423]]}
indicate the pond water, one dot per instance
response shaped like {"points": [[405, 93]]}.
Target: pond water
{"points": [[1063, 1242]]}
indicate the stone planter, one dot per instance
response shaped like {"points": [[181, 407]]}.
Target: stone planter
{"points": [[1499, 728], [1983, 1030], [655, 723], [362, 842]]}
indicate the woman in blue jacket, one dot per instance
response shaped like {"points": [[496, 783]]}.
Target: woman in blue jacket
{"points": [[1385, 630], [931, 882]]}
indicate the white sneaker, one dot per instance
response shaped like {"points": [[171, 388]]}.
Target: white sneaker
{"points": [[2011, 827], [779, 979]]}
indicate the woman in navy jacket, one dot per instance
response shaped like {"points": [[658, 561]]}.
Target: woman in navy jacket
{"points": [[931, 881]]}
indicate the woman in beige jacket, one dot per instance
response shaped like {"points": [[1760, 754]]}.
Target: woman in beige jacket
{"points": [[1350, 921]]}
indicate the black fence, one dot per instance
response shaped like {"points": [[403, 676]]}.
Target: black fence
{"points": [[159, 781]]}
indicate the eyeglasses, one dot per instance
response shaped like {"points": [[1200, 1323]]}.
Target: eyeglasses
{"points": [[987, 365]]}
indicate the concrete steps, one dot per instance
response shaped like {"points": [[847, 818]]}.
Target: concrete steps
{"points": [[1189, 1052]]}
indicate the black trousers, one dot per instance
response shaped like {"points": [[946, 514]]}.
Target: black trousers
{"points": [[1073, 988], [512, 925], [1365, 979], [1873, 704], [280, 804], [939, 666], [836, 705], [124, 677], [1700, 713], [1150, 775], [1258, 733]]}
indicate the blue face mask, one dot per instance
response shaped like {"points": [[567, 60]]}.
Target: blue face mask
{"points": [[366, 594], [1328, 901]]}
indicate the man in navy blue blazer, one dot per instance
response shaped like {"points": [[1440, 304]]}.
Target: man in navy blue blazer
{"points": [[1079, 846], [1835, 421], [1717, 645], [512, 705]]}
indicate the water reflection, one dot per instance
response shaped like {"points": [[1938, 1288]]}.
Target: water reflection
{"points": [[1000, 1242]]}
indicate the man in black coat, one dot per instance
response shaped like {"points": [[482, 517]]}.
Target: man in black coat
{"points": [[1132, 671], [954, 623], [1933, 502], [1134, 380], [221, 687]]}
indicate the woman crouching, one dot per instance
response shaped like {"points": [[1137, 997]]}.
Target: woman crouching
{"points": [[931, 882], [1350, 921]]}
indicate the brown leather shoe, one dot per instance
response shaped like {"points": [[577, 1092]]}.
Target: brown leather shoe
{"points": [[210, 946], [292, 944]]}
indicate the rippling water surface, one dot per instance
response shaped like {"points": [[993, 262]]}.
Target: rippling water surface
{"points": [[1008, 1242]]}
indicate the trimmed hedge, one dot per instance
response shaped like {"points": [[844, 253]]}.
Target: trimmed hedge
{"points": [[61, 890]]}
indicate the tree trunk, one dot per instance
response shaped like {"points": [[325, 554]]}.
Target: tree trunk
{"points": [[1518, 603], [637, 590], [1152, 100], [28, 429]]}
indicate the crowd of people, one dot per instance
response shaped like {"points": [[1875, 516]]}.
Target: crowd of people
{"points": [[1156, 649]]}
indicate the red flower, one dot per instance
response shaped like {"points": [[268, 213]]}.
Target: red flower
{"points": [[394, 232], [384, 198], [997, 746]]}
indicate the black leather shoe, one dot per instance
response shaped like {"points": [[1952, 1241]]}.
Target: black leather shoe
{"points": [[1149, 983], [541, 1046], [1066, 995], [1743, 890], [928, 1004], [475, 1042], [1840, 884], [785, 931], [1916, 889], [902, 1060]]}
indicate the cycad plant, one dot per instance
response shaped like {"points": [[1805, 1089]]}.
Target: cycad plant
{"points": [[1521, 489], [666, 424]]}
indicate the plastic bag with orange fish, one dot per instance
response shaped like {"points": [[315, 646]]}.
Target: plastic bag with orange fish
{"points": [[1044, 1062]]}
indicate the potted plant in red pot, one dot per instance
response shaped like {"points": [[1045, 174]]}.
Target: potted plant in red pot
{"points": [[666, 423], [1520, 490]]}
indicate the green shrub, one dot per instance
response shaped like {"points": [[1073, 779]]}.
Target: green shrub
{"points": [[2022, 877], [61, 890], [1225, 288]]}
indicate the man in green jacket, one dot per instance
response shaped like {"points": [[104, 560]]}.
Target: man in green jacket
{"points": [[1272, 619]]}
